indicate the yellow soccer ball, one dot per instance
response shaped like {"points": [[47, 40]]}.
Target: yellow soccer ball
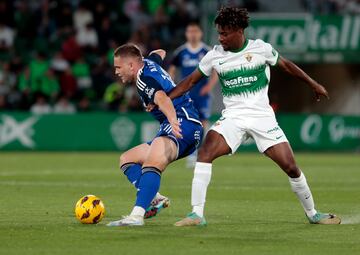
{"points": [[89, 209]]}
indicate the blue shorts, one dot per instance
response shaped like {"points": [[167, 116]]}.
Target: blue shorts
{"points": [[202, 104], [192, 133]]}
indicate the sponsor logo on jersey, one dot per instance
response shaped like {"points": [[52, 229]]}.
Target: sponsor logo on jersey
{"points": [[240, 81]]}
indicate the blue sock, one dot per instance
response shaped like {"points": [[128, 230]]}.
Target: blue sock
{"points": [[148, 187], [132, 172]]}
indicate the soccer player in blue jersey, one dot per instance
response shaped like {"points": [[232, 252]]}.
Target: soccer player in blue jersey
{"points": [[186, 58], [180, 128]]}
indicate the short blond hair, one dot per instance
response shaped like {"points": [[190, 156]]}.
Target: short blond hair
{"points": [[128, 50]]}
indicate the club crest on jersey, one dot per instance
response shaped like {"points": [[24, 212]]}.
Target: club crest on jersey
{"points": [[149, 92], [248, 57]]}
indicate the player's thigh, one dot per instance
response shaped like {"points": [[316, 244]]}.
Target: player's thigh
{"points": [[213, 147], [137, 154], [226, 133], [162, 152]]}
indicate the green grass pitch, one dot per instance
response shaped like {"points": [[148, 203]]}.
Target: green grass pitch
{"points": [[250, 208]]}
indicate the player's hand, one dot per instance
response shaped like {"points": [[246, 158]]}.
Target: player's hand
{"points": [[205, 90], [320, 91], [176, 130], [150, 107]]}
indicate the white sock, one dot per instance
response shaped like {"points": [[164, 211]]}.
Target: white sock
{"points": [[138, 211], [300, 187], [201, 180]]}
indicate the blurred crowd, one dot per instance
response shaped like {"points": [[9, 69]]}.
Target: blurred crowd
{"points": [[56, 55]]}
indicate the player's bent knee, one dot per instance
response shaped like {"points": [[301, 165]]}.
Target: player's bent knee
{"points": [[205, 155], [159, 165], [291, 169], [159, 162], [123, 159]]}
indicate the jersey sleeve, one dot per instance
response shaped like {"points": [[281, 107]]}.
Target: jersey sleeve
{"points": [[205, 65], [156, 58], [149, 86], [271, 55]]}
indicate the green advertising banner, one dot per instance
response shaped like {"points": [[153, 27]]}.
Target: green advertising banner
{"points": [[310, 38], [94, 131], [110, 132]]}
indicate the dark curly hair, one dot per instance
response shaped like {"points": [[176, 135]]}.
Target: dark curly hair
{"points": [[232, 17]]}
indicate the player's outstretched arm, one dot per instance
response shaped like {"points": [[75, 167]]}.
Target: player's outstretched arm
{"points": [[291, 68], [160, 52], [186, 84], [166, 106]]}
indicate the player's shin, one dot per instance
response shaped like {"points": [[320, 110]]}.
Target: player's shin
{"points": [[201, 180], [148, 187], [300, 187], [132, 172]]}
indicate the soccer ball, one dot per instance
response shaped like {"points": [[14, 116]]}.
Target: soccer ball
{"points": [[89, 209]]}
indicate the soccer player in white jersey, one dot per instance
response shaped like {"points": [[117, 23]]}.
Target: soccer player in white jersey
{"points": [[243, 67]]}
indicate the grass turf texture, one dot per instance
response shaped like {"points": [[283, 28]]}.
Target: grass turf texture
{"points": [[250, 208]]}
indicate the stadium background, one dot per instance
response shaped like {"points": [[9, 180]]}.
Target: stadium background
{"points": [[56, 70], [58, 93]]}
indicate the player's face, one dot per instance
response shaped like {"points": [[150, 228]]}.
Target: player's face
{"points": [[193, 34], [229, 38], [124, 69]]}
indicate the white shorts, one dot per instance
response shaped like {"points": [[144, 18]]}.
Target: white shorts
{"points": [[264, 130]]}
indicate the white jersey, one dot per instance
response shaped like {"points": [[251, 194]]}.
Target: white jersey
{"points": [[244, 76]]}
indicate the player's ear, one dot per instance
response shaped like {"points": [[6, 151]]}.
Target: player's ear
{"points": [[131, 65]]}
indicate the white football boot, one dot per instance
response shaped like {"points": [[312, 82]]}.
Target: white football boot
{"points": [[131, 220]]}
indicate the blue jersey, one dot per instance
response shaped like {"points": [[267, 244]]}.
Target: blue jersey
{"points": [[187, 60], [152, 78]]}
